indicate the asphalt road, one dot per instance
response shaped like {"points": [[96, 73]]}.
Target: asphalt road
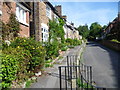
{"points": [[105, 64]]}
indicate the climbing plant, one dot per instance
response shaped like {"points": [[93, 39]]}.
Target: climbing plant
{"points": [[56, 30], [11, 28], [56, 38]]}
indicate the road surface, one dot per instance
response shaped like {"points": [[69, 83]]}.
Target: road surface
{"points": [[105, 64]]}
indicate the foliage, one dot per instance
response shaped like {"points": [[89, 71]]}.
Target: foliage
{"points": [[28, 83], [48, 61], [11, 28], [69, 41], [83, 85], [115, 40], [95, 30], [52, 49], [9, 69], [56, 30], [15, 60], [34, 47], [48, 65], [83, 30], [73, 42], [19, 59], [56, 37], [13, 24], [63, 46], [114, 32]]}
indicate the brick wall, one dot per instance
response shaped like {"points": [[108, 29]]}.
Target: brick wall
{"points": [[58, 8], [112, 45], [7, 9], [44, 19]]}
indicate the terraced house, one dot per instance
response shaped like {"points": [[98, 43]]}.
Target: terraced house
{"points": [[21, 10], [34, 18]]}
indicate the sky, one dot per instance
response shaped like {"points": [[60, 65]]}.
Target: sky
{"points": [[81, 13]]}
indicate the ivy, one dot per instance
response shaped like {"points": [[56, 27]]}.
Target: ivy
{"points": [[11, 28], [56, 30]]}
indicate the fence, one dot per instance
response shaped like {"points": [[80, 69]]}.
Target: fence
{"points": [[76, 75]]}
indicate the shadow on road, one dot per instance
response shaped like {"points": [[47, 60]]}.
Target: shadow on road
{"points": [[114, 57]]}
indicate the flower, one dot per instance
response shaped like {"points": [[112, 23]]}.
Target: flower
{"points": [[18, 46], [24, 40]]}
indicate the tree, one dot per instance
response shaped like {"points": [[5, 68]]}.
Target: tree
{"points": [[83, 30], [95, 30]]}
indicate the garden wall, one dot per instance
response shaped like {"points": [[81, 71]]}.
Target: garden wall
{"points": [[110, 44]]}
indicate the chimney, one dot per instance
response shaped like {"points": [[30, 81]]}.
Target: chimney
{"points": [[59, 9], [64, 17], [72, 24]]}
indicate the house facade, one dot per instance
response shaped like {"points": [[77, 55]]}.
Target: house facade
{"points": [[22, 15], [34, 18], [43, 13]]}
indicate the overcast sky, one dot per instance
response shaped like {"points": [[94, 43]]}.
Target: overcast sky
{"points": [[81, 13]]}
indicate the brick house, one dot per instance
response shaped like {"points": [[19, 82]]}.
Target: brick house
{"points": [[22, 14], [42, 13]]}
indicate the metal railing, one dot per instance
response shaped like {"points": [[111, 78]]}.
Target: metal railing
{"points": [[76, 75]]}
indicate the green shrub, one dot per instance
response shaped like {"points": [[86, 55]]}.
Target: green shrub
{"points": [[22, 58], [76, 42], [69, 41], [73, 42], [48, 61], [34, 47], [63, 46], [52, 50], [9, 69], [48, 65], [82, 84]]}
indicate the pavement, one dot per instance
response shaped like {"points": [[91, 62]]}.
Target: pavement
{"points": [[105, 64], [51, 78]]}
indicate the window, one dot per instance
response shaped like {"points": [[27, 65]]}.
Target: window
{"points": [[48, 11], [21, 14], [0, 12]]}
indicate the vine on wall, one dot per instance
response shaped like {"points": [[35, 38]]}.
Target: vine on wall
{"points": [[10, 29]]}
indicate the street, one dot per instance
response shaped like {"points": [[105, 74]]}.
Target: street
{"points": [[105, 65]]}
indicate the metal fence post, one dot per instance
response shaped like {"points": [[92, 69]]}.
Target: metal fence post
{"points": [[65, 79], [60, 78]]}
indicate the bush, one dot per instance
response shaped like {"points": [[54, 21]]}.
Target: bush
{"points": [[63, 47], [73, 42], [52, 50], [19, 59], [13, 57], [69, 41], [9, 69], [34, 47], [76, 42]]}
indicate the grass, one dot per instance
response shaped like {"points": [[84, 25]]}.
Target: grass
{"points": [[28, 83], [115, 40], [64, 48], [82, 85], [48, 61], [60, 57], [48, 65]]}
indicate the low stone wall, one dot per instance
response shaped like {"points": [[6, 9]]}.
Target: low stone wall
{"points": [[110, 44]]}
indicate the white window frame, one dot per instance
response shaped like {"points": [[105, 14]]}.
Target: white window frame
{"points": [[21, 12], [48, 12], [0, 12], [45, 32]]}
